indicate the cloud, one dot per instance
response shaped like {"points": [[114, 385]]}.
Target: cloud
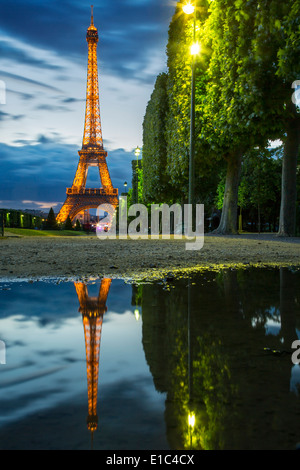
{"points": [[39, 174], [9, 51], [52, 108], [129, 31], [41, 205], [44, 54], [72, 100], [13, 76], [8, 116], [22, 95]]}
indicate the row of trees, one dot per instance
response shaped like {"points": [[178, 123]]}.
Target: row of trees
{"points": [[18, 219], [13, 218], [245, 99]]}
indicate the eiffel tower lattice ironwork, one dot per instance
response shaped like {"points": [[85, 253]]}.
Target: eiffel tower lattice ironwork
{"points": [[92, 310], [92, 153]]}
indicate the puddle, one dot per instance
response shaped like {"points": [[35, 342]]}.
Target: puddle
{"points": [[108, 364]]}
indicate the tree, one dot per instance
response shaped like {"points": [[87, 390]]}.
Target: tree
{"points": [[156, 187], [51, 223], [179, 103], [288, 73], [68, 224], [249, 61], [259, 188], [240, 116], [137, 181], [77, 226], [277, 42], [229, 117]]}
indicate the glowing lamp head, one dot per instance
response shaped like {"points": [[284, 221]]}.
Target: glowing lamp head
{"points": [[195, 48], [191, 420], [188, 8], [137, 314]]}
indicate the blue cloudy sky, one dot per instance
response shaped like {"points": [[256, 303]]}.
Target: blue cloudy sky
{"points": [[43, 54]]}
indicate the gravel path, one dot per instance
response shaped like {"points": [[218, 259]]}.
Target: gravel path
{"points": [[87, 256]]}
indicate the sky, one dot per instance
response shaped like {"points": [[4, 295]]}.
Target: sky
{"points": [[43, 73]]}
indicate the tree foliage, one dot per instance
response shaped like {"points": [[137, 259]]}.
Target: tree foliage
{"points": [[51, 223], [259, 189], [156, 184], [244, 75], [68, 224], [179, 92]]}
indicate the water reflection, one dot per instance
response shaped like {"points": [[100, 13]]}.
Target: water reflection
{"points": [[92, 310], [193, 363], [210, 349]]}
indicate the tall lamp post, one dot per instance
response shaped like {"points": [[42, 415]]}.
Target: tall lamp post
{"points": [[190, 9], [137, 154]]}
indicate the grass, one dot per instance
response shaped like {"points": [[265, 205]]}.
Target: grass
{"points": [[43, 233]]}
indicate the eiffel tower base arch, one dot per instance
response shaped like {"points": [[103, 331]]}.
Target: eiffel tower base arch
{"points": [[89, 199]]}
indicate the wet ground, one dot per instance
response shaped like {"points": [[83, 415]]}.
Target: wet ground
{"points": [[214, 344]]}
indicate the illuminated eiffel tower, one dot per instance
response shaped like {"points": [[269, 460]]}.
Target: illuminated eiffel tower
{"points": [[92, 153], [92, 310]]}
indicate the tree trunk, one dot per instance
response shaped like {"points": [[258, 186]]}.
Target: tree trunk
{"points": [[228, 222], [287, 220]]}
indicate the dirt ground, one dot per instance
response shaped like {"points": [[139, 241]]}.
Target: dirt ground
{"points": [[89, 257]]}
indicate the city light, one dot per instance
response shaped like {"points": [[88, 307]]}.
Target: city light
{"points": [[195, 48], [188, 8], [191, 420]]}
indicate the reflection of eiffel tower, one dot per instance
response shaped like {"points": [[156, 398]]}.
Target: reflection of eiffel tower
{"points": [[92, 153], [92, 310]]}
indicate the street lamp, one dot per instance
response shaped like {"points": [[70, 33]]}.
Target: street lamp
{"points": [[125, 186], [191, 419], [189, 9], [137, 154]]}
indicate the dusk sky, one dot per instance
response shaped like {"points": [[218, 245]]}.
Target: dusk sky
{"points": [[43, 75]]}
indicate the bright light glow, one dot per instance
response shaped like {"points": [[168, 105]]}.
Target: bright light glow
{"points": [[188, 8], [137, 314], [195, 48], [192, 420]]}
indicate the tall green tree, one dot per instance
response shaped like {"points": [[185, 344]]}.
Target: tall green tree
{"points": [[179, 101], [51, 223], [278, 40], [266, 60], [239, 115], [229, 117], [68, 224], [249, 61], [156, 187], [259, 189]]}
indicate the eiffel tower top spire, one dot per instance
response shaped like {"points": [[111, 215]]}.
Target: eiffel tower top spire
{"points": [[92, 15], [92, 137]]}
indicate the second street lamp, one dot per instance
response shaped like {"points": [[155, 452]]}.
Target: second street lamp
{"points": [[137, 154]]}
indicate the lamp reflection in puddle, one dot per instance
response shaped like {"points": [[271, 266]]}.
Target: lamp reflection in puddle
{"points": [[191, 424]]}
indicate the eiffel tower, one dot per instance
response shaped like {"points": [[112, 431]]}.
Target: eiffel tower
{"points": [[92, 310], [92, 153]]}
